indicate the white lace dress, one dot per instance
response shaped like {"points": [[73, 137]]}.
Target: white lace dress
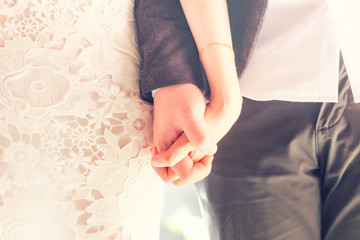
{"points": [[74, 133]]}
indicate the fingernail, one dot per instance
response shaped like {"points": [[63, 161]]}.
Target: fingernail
{"points": [[156, 162]]}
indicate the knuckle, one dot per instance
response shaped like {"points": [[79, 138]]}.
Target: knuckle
{"points": [[185, 176]]}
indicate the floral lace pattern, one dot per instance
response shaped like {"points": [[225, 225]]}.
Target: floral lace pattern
{"points": [[74, 133]]}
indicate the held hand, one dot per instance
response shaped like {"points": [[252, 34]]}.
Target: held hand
{"points": [[190, 169], [179, 109], [185, 161]]}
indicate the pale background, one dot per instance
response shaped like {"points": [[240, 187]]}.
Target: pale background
{"points": [[181, 218]]}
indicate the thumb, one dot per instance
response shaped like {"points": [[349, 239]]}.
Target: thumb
{"points": [[197, 131]]}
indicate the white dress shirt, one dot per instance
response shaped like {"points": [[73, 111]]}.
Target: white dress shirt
{"points": [[296, 56]]}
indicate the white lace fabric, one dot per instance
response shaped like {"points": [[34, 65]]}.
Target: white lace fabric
{"points": [[74, 133]]}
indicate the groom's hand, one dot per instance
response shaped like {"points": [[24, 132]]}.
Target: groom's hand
{"points": [[180, 109]]}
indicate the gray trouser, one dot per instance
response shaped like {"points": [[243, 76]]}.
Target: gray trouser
{"points": [[288, 171]]}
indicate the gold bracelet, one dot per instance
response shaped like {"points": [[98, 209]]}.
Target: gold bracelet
{"points": [[215, 44]]}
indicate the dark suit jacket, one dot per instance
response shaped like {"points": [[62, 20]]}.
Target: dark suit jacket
{"points": [[168, 49]]}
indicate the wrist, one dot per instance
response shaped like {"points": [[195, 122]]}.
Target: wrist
{"points": [[225, 92], [228, 105], [221, 116]]}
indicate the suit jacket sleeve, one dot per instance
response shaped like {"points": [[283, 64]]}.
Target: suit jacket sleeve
{"points": [[168, 50]]}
